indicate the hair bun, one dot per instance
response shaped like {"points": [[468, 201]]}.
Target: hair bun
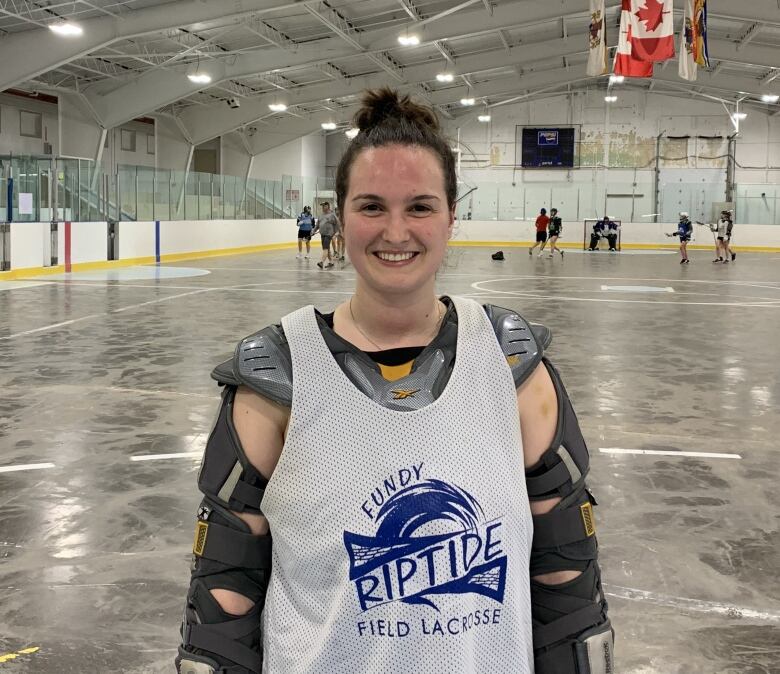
{"points": [[386, 106]]}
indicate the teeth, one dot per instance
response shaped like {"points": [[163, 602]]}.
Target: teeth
{"points": [[395, 257]]}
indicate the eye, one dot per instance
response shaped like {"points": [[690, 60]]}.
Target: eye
{"points": [[421, 209], [370, 208]]}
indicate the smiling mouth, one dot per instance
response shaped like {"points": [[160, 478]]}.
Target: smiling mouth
{"points": [[396, 257]]}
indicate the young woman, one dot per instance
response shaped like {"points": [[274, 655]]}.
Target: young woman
{"points": [[684, 231], [401, 543]]}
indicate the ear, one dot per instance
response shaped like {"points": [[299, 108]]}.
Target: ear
{"points": [[451, 224]]}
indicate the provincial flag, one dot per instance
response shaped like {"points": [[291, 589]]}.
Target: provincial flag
{"points": [[625, 63], [700, 52], [693, 40], [597, 39], [686, 63], [652, 28]]}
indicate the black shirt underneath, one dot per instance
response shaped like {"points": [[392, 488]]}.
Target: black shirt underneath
{"points": [[391, 357]]}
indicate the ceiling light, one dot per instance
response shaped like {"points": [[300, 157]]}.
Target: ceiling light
{"points": [[740, 115], [351, 133], [484, 118], [328, 126], [277, 107], [770, 98], [610, 99], [445, 77], [409, 40], [66, 28], [616, 79], [199, 78], [467, 101]]}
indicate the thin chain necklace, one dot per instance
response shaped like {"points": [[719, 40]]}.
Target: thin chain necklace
{"points": [[379, 348]]}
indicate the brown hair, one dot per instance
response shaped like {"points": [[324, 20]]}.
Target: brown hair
{"points": [[388, 118]]}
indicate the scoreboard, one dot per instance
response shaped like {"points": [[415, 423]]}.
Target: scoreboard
{"points": [[547, 147]]}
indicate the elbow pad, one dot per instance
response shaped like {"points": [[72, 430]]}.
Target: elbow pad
{"points": [[572, 633]]}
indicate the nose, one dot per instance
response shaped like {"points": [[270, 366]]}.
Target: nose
{"points": [[396, 228]]}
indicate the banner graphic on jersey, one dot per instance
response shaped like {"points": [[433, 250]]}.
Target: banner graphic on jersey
{"points": [[652, 30], [597, 40], [625, 64], [432, 540]]}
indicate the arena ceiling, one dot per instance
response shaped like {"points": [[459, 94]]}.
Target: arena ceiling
{"points": [[135, 57]]}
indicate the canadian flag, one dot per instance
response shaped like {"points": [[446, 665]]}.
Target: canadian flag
{"points": [[625, 63], [652, 28]]}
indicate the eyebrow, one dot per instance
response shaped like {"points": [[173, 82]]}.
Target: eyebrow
{"points": [[376, 197]]}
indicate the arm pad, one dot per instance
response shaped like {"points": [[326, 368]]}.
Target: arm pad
{"points": [[572, 632], [226, 556]]}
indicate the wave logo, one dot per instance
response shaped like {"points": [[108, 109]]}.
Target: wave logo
{"points": [[432, 539]]}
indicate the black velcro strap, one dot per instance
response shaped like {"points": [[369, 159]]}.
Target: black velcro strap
{"points": [[222, 639], [548, 481], [573, 623], [232, 547], [247, 495], [561, 527], [549, 596]]}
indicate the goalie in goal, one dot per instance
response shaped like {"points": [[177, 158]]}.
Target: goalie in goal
{"points": [[606, 229]]}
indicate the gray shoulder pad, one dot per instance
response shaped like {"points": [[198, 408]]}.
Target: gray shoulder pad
{"points": [[262, 363], [523, 343]]}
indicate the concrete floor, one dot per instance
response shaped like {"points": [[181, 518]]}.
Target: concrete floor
{"points": [[94, 551]]}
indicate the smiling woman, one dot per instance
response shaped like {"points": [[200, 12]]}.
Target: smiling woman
{"points": [[443, 405]]}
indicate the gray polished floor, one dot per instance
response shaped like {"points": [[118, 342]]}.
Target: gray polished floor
{"points": [[94, 550]]}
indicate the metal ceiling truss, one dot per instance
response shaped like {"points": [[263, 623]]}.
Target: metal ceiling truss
{"points": [[153, 71], [270, 34], [37, 14], [332, 71], [411, 10], [342, 27]]}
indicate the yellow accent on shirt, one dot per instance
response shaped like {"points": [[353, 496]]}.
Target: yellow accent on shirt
{"points": [[395, 372]]}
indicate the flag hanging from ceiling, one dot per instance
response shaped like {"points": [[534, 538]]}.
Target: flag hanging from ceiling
{"points": [[700, 52], [597, 40], [625, 63], [686, 62], [693, 40], [652, 29]]}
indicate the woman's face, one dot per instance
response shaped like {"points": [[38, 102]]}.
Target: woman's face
{"points": [[396, 219]]}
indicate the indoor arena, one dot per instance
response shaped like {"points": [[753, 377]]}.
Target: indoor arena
{"points": [[569, 209]]}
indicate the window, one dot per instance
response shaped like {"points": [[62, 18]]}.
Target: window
{"points": [[149, 143], [30, 124], [128, 140]]}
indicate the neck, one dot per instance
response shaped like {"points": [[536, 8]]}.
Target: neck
{"points": [[397, 321]]}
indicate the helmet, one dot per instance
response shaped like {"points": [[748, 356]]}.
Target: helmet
{"points": [[683, 214]]}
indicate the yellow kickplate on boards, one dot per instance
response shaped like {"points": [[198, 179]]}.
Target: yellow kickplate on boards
{"points": [[201, 531]]}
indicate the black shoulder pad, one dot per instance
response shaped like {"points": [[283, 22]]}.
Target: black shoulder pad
{"points": [[542, 334], [261, 362], [223, 374], [523, 344]]}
